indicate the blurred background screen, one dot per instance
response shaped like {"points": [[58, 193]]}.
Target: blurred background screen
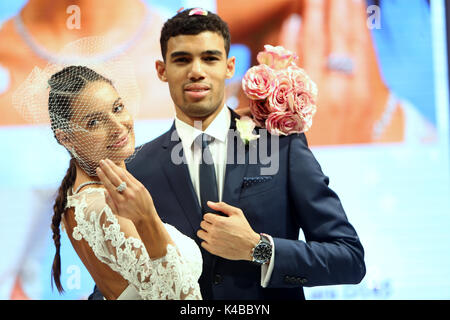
{"points": [[393, 179]]}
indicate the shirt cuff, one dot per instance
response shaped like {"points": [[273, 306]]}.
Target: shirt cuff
{"points": [[266, 269]]}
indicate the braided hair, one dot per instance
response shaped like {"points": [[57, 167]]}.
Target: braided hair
{"points": [[64, 87]]}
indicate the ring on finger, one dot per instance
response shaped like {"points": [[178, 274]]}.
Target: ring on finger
{"points": [[121, 187], [340, 63]]}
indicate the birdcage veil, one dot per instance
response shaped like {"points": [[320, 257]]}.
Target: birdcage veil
{"points": [[88, 99]]}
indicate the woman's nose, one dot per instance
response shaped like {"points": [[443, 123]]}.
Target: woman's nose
{"points": [[117, 125]]}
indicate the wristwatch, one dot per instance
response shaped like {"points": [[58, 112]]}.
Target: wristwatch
{"points": [[262, 252]]}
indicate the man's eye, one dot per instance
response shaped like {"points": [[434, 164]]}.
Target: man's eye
{"points": [[181, 60], [211, 58]]}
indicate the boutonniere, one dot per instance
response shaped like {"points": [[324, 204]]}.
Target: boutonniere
{"points": [[245, 127]]}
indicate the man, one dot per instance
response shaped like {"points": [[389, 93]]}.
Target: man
{"points": [[238, 262]]}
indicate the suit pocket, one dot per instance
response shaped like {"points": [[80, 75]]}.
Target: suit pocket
{"points": [[255, 185]]}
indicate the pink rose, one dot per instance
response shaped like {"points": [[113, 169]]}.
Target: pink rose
{"points": [[301, 81], [304, 94], [259, 82], [285, 123], [259, 110], [276, 57], [281, 96], [303, 103]]}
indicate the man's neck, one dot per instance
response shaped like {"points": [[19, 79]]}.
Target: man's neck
{"points": [[194, 122], [47, 20]]}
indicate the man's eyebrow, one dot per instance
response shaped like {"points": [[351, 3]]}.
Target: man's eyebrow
{"points": [[179, 53], [185, 53], [213, 52]]}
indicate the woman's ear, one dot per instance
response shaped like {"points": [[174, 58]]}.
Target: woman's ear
{"points": [[63, 139], [161, 70]]}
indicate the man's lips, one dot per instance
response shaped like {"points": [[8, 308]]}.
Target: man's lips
{"points": [[120, 142], [196, 91]]}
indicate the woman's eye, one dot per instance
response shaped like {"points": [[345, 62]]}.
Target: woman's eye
{"points": [[92, 123], [119, 108]]}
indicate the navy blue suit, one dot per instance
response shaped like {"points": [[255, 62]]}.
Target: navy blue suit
{"points": [[296, 197]]}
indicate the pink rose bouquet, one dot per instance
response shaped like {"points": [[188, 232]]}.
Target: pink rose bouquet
{"points": [[283, 97]]}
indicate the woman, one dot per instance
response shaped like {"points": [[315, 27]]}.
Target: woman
{"points": [[109, 215]]}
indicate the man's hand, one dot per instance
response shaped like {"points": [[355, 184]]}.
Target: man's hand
{"points": [[229, 237]]}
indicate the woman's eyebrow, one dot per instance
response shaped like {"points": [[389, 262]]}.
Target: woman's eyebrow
{"points": [[117, 101], [90, 115]]}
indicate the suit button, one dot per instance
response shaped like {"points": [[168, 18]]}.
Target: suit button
{"points": [[288, 279], [217, 279]]}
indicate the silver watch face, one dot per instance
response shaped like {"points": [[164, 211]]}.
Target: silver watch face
{"points": [[262, 252]]}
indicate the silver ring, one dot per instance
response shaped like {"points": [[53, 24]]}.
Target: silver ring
{"points": [[340, 63], [121, 187]]}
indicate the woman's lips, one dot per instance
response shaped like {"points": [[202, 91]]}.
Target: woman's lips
{"points": [[196, 91], [120, 143]]}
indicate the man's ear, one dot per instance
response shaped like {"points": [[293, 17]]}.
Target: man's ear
{"points": [[161, 70], [231, 64], [63, 139]]}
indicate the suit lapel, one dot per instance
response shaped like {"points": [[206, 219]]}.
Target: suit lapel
{"points": [[235, 170], [234, 173], [179, 178]]}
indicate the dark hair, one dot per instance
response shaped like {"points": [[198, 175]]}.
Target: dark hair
{"points": [[184, 24], [64, 85]]}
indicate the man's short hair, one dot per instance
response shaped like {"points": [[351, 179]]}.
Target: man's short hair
{"points": [[184, 24]]}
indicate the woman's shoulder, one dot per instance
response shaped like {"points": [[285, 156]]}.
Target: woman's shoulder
{"points": [[91, 198], [81, 206]]}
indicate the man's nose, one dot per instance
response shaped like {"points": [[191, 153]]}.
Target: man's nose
{"points": [[196, 73]]}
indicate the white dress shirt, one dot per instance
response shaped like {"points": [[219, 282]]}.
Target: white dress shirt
{"points": [[218, 129]]}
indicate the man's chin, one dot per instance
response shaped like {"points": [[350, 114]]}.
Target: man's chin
{"points": [[200, 110]]}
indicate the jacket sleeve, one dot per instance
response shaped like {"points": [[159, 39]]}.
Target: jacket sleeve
{"points": [[332, 253], [96, 294]]}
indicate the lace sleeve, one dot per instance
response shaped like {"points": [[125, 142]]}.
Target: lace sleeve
{"points": [[173, 277]]}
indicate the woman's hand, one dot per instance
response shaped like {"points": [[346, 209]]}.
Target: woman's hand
{"points": [[135, 202], [351, 100], [349, 103]]}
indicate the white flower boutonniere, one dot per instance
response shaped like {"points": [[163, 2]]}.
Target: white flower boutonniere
{"points": [[245, 126]]}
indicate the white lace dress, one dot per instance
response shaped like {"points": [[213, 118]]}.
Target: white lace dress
{"points": [[173, 277]]}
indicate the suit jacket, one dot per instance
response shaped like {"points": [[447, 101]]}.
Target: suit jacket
{"points": [[296, 197]]}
